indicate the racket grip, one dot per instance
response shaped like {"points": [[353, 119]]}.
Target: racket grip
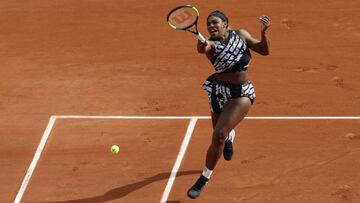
{"points": [[201, 38]]}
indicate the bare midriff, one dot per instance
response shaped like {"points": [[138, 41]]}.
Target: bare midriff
{"points": [[238, 77]]}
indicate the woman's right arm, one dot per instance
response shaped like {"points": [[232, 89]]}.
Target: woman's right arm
{"points": [[205, 47]]}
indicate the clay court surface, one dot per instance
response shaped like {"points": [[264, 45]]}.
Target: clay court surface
{"points": [[119, 58]]}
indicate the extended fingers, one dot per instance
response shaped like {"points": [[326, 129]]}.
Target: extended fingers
{"points": [[265, 20]]}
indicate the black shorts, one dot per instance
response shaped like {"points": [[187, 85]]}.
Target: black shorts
{"points": [[219, 92]]}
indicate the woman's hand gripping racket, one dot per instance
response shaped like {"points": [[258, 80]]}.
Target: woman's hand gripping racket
{"points": [[185, 17]]}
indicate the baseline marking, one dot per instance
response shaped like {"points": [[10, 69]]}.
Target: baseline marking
{"points": [[178, 161], [32, 166], [208, 117]]}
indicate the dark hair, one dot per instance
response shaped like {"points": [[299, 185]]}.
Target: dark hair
{"points": [[220, 15]]}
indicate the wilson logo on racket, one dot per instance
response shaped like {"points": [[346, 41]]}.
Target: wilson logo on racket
{"points": [[182, 17], [185, 17]]}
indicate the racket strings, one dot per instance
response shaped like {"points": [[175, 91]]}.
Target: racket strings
{"points": [[183, 18]]}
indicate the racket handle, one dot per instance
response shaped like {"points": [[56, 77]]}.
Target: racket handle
{"points": [[201, 38]]}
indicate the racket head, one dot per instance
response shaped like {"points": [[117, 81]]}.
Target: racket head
{"points": [[183, 17]]}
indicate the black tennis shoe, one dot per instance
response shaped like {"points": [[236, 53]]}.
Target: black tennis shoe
{"points": [[195, 190], [228, 150], [228, 146]]}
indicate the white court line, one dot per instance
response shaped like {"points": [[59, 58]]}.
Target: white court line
{"points": [[180, 156], [208, 117], [32, 166], [132, 117], [303, 118]]}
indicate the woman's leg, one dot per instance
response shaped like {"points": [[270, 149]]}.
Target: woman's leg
{"points": [[233, 112], [228, 146], [214, 118]]}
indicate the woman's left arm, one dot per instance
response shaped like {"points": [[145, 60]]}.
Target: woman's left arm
{"points": [[260, 46]]}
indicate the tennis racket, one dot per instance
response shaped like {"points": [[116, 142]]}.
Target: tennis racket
{"points": [[185, 18]]}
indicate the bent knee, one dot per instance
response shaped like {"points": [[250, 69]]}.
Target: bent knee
{"points": [[219, 136]]}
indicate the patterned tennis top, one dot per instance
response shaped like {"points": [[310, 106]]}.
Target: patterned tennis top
{"points": [[231, 57]]}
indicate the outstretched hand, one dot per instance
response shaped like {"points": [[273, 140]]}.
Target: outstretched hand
{"points": [[265, 23]]}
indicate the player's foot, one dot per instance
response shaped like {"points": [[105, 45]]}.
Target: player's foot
{"points": [[228, 147], [195, 190]]}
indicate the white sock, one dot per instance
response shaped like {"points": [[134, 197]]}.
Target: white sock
{"points": [[231, 135], [207, 172]]}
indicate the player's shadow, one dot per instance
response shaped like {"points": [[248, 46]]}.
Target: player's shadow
{"points": [[122, 191]]}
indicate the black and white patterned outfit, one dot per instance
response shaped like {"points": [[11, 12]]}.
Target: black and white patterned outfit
{"points": [[231, 57]]}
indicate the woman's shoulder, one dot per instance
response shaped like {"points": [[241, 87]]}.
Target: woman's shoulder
{"points": [[241, 31], [243, 34]]}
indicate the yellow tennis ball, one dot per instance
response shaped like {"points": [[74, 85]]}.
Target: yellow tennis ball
{"points": [[115, 149]]}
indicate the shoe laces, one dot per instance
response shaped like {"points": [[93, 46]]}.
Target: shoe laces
{"points": [[200, 182]]}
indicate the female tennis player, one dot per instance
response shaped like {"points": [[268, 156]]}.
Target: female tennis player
{"points": [[230, 92]]}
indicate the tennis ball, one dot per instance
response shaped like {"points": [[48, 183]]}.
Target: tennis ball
{"points": [[115, 149]]}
